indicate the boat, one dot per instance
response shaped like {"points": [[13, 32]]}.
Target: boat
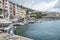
{"points": [[31, 21], [39, 21], [20, 23]]}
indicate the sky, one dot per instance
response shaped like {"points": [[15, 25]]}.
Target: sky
{"points": [[40, 5]]}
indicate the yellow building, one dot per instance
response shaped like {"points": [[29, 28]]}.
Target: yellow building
{"points": [[24, 13]]}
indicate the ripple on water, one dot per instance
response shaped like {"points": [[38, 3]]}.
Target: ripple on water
{"points": [[47, 30]]}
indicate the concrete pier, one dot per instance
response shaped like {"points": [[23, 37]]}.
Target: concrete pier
{"points": [[17, 37]]}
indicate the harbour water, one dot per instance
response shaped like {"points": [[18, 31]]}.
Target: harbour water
{"points": [[46, 30]]}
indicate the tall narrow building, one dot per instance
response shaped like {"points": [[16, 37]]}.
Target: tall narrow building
{"points": [[10, 10]]}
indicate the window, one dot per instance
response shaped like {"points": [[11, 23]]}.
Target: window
{"points": [[0, 11], [11, 17], [6, 3], [10, 11], [10, 8], [6, 14], [0, 1], [6, 10], [10, 5]]}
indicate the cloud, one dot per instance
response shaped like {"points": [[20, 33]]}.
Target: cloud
{"points": [[44, 6], [28, 3], [55, 10], [57, 4], [40, 5]]}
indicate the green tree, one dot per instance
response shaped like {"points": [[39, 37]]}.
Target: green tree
{"points": [[38, 15]]}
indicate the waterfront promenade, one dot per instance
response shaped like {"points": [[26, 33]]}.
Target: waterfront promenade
{"points": [[17, 37]]}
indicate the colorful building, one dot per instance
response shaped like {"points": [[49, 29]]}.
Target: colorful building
{"points": [[23, 13], [10, 10]]}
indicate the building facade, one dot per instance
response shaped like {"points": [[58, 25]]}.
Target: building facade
{"points": [[1, 7], [51, 15], [10, 10]]}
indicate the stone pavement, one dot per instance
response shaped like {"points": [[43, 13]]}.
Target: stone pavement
{"points": [[17, 37], [2, 36]]}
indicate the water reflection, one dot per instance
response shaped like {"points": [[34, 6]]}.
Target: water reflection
{"points": [[47, 30]]}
